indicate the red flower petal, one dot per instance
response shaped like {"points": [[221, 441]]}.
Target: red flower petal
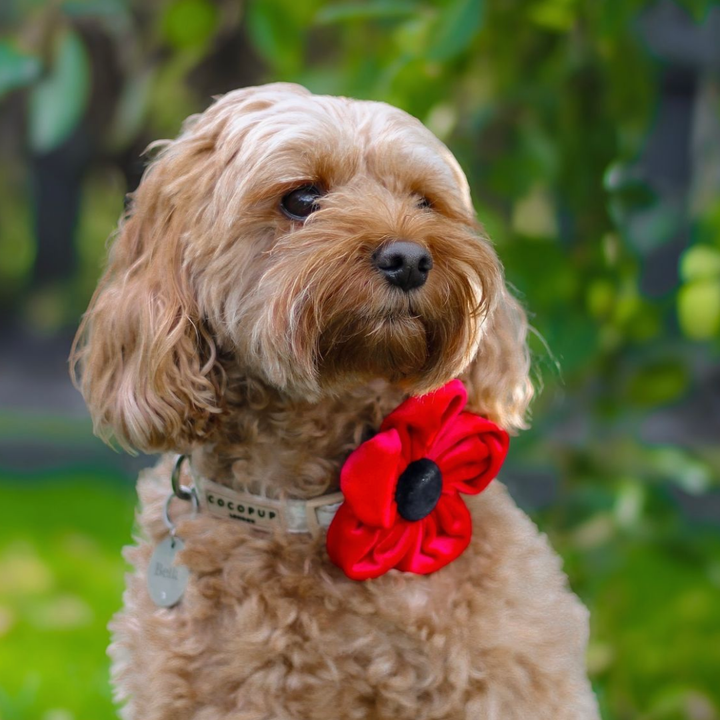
{"points": [[368, 537], [368, 479], [470, 453], [419, 420], [445, 535], [362, 552]]}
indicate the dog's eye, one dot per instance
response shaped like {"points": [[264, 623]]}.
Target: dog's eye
{"points": [[424, 204], [298, 204]]}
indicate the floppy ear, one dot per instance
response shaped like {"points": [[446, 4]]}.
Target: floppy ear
{"points": [[498, 379], [142, 357]]}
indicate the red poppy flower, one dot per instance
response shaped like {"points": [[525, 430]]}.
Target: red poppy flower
{"points": [[402, 488]]}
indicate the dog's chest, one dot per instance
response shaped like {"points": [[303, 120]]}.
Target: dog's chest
{"points": [[268, 628], [262, 612], [288, 614]]}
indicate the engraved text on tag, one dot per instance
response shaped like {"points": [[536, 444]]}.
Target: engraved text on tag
{"points": [[166, 581]]}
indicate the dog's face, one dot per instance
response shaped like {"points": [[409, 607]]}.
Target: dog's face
{"points": [[316, 242]]}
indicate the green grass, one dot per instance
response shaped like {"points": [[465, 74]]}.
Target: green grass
{"points": [[61, 579]]}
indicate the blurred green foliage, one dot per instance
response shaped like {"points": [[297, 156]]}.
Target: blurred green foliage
{"points": [[548, 105]]}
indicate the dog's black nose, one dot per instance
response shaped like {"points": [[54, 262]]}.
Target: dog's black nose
{"points": [[405, 264]]}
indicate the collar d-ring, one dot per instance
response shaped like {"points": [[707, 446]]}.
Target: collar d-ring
{"points": [[182, 491], [169, 524]]}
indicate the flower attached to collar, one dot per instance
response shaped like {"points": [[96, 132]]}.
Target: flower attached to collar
{"points": [[402, 488]]}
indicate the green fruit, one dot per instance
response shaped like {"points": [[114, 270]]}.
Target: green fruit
{"points": [[700, 262], [699, 309]]}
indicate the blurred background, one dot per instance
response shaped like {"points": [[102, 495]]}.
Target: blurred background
{"points": [[590, 132]]}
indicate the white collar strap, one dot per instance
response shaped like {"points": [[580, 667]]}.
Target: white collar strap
{"points": [[294, 516]]}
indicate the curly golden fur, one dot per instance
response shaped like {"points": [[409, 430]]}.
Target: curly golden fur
{"points": [[269, 348]]}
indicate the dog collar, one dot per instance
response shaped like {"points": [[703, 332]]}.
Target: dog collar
{"points": [[400, 505], [292, 515]]}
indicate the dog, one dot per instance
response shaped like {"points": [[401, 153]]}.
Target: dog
{"points": [[291, 269]]}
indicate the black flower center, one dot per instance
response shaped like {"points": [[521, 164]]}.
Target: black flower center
{"points": [[418, 489]]}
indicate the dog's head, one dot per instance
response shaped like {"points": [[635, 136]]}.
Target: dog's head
{"points": [[315, 242]]}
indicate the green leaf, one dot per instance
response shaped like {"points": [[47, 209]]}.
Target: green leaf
{"points": [[17, 69], [699, 309], [456, 28], [365, 11], [411, 36], [189, 23], [275, 34], [58, 102], [658, 383], [600, 297], [557, 15]]}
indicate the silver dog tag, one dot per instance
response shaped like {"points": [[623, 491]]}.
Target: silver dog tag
{"points": [[167, 581]]}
